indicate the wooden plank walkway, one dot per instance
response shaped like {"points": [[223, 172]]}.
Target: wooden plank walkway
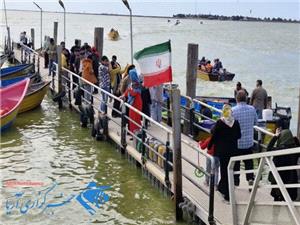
{"points": [[222, 210]]}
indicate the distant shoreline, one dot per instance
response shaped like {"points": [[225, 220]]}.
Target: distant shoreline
{"points": [[183, 17]]}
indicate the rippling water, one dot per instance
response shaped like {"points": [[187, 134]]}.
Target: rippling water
{"points": [[267, 51], [48, 145]]}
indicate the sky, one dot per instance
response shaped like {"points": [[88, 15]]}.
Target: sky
{"points": [[266, 8]]}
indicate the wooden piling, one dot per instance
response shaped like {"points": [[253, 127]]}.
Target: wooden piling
{"points": [[59, 70], [32, 37], [298, 130], [98, 40], [191, 80], [176, 128], [55, 32]]}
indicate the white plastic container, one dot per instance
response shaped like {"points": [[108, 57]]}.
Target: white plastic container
{"points": [[267, 114]]}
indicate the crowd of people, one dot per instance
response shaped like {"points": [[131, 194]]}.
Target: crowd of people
{"points": [[206, 66], [233, 135], [109, 76]]}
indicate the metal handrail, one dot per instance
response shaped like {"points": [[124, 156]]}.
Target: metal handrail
{"points": [[265, 158]]}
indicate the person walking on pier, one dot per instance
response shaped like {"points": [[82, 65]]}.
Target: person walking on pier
{"points": [[259, 98], [225, 135], [52, 52], [246, 115], [133, 95], [88, 74], [104, 79]]}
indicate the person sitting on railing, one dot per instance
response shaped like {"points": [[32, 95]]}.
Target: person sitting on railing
{"points": [[284, 139], [211, 151], [133, 96], [246, 115], [225, 135]]}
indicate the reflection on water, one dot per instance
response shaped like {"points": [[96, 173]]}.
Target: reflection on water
{"points": [[48, 145]]}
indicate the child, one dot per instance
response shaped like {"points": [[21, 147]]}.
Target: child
{"points": [[203, 145]]}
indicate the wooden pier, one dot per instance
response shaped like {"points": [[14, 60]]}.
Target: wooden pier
{"points": [[200, 201]]}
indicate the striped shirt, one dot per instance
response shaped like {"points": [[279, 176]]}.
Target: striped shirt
{"points": [[104, 76], [247, 117]]}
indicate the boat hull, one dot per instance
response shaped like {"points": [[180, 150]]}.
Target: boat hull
{"points": [[34, 98], [211, 77], [113, 35], [20, 70], [11, 99]]}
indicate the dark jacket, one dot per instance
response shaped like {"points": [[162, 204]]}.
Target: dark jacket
{"points": [[285, 140], [225, 138]]}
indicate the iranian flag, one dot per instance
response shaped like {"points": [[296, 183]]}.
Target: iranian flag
{"points": [[155, 64]]}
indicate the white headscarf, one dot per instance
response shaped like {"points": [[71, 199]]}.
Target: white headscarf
{"points": [[227, 117]]}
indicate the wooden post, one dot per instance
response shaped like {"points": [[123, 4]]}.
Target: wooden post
{"points": [[32, 37], [58, 69], [55, 32], [191, 79], [98, 40], [9, 40], [298, 130], [177, 168]]}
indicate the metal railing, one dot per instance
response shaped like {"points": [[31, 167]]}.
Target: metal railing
{"points": [[241, 216]]}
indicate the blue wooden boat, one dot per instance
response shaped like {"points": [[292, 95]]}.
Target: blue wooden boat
{"points": [[5, 83], [15, 71]]}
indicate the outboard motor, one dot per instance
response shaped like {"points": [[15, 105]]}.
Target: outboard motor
{"points": [[100, 128], [283, 116]]}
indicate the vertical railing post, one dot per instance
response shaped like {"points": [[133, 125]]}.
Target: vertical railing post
{"points": [[143, 141], [169, 121], [70, 76], [298, 129], [123, 128], [59, 74], [167, 166], [33, 45], [176, 128], [211, 219], [192, 119]]}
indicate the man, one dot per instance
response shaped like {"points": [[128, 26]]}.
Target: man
{"points": [[238, 88], [156, 94], [66, 52], [104, 79], [52, 52], [247, 118], [259, 98]]}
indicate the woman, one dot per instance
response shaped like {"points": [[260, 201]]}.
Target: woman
{"points": [[225, 137], [284, 140], [133, 95], [88, 74]]}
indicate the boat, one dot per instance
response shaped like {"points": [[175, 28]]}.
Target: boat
{"points": [[227, 76], [11, 99], [16, 71], [34, 96], [3, 58], [5, 83], [113, 35]]}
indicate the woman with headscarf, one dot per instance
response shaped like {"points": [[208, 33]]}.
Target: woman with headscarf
{"points": [[225, 135], [133, 95]]}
